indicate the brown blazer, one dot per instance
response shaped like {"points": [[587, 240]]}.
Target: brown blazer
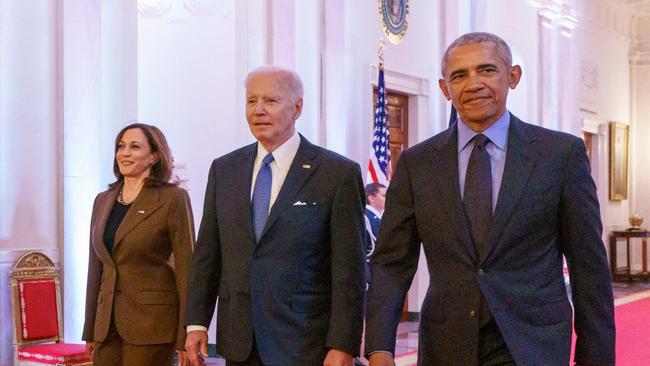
{"points": [[140, 284]]}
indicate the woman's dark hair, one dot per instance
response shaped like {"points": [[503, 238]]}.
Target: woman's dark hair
{"points": [[161, 170]]}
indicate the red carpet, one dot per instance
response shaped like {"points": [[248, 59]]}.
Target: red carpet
{"points": [[632, 333], [632, 330]]}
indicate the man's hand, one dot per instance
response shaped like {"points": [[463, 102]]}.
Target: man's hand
{"points": [[90, 347], [381, 359], [197, 342], [337, 358]]}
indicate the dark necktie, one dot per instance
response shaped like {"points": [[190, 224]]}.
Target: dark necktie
{"points": [[477, 197], [262, 196]]}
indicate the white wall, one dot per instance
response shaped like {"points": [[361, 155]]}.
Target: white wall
{"points": [[604, 87]]}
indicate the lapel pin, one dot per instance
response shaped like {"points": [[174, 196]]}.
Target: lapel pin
{"points": [[140, 211], [306, 166]]}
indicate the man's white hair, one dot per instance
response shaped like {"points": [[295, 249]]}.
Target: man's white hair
{"points": [[294, 83]]}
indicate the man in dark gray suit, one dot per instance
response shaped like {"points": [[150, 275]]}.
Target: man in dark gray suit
{"points": [[281, 243], [495, 203]]}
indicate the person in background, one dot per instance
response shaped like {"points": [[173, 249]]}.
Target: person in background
{"points": [[281, 243], [495, 203], [375, 202], [141, 241]]}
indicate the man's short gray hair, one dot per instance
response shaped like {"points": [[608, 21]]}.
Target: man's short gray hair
{"points": [[479, 37], [294, 83]]}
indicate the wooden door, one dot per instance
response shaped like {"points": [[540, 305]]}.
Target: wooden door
{"points": [[397, 107]]}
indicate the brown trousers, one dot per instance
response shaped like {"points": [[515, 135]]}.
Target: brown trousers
{"points": [[114, 351]]}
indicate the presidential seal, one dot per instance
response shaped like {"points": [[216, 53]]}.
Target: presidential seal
{"points": [[393, 15]]}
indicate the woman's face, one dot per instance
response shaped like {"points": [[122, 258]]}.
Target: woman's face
{"points": [[134, 156]]}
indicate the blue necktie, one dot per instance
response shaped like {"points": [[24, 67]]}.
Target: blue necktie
{"points": [[262, 196]]}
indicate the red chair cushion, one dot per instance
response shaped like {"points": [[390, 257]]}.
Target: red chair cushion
{"points": [[38, 313], [51, 354]]}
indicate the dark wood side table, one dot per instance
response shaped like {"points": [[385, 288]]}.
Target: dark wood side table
{"points": [[626, 273]]}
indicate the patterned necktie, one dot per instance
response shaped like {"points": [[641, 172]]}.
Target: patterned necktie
{"points": [[477, 197], [262, 196]]}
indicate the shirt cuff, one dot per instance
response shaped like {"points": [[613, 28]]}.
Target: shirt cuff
{"points": [[192, 328], [373, 352]]}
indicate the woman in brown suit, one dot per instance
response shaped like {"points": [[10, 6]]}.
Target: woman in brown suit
{"points": [[141, 241]]}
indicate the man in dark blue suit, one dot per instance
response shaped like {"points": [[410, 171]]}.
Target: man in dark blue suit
{"points": [[495, 203], [375, 202], [281, 243]]}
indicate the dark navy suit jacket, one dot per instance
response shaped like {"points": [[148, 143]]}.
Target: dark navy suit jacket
{"points": [[300, 290], [547, 207]]}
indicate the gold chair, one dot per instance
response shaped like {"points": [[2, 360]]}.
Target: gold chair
{"points": [[38, 325]]}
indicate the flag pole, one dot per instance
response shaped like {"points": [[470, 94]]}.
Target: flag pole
{"points": [[380, 52]]}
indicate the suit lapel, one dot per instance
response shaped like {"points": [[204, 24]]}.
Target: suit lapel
{"points": [[103, 209], [147, 202], [445, 172], [303, 166], [520, 163], [241, 185]]}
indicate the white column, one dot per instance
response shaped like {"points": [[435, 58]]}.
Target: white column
{"points": [[547, 72], [28, 141], [308, 43], [118, 73], [282, 33], [28, 121], [334, 131], [566, 79], [639, 152], [80, 131]]}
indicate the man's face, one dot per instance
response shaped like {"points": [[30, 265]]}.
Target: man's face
{"points": [[476, 80], [378, 200], [271, 108]]}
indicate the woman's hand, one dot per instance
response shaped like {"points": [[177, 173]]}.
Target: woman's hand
{"points": [[90, 347]]}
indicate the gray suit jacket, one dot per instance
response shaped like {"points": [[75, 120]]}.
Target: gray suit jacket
{"points": [[300, 290], [547, 207]]}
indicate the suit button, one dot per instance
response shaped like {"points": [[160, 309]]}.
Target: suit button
{"points": [[481, 272], [472, 313]]}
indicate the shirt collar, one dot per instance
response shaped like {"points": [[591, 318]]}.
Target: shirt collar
{"points": [[373, 210], [497, 133], [283, 155]]}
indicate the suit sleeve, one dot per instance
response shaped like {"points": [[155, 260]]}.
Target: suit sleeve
{"points": [[206, 261], [181, 224], [393, 264], [347, 230], [581, 238], [95, 269]]}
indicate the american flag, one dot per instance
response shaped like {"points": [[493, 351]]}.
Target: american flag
{"points": [[379, 170]]}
